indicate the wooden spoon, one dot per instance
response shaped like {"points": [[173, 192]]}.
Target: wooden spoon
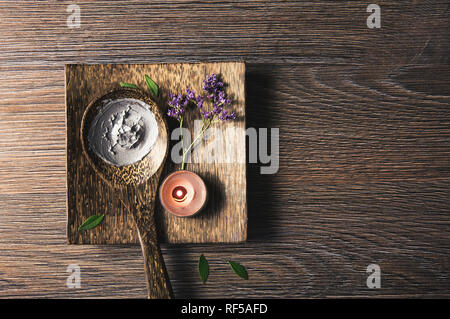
{"points": [[136, 186]]}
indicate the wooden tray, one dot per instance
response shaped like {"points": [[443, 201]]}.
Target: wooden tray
{"points": [[223, 220]]}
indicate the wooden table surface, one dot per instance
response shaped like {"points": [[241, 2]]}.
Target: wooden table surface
{"points": [[364, 120]]}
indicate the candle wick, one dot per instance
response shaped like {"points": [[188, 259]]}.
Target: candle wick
{"points": [[179, 193]]}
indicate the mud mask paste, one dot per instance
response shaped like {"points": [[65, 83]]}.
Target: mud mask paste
{"points": [[123, 132]]}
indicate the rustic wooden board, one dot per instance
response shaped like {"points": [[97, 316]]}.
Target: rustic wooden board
{"points": [[224, 219]]}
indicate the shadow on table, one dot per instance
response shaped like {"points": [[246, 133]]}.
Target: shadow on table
{"points": [[259, 114]]}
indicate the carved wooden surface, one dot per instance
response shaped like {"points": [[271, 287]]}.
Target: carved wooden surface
{"points": [[224, 219], [364, 145]]}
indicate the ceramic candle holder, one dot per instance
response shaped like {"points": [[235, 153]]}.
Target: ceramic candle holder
{"points": [[183, 193]]}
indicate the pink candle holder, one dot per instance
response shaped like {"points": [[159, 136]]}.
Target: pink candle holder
{"points": [[183, 193]]}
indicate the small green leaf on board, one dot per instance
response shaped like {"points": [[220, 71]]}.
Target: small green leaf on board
{"points": [[128, 85], [152, 86], [91, 222]]}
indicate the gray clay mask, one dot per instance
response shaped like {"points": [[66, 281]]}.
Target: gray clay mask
{"points": [[123, 132]]}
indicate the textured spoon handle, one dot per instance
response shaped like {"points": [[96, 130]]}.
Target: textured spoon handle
{"points": [[158, 282]]}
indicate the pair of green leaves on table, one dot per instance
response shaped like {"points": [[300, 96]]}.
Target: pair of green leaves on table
{"points": [[203, 269], [152, 86], [203, 266]]}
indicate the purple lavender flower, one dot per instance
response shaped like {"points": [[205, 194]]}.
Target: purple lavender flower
{"points": [[212, 84], [207, 115], [190, 94], [214, 97], [231, 116], [217, 108], [200, 100], [171, 112], [221, 96], [224, 116], [177, 104], [215, 94]]}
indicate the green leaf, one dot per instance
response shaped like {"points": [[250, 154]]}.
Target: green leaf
{"points": [[128, 85], [152, 86], [203, 268], [91, 222], [239, 269]]}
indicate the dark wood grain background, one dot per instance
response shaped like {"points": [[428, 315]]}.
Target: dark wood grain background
{"points": [[364, 128]]}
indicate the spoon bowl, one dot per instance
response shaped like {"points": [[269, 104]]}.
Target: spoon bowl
{"points": [[127, 175]]}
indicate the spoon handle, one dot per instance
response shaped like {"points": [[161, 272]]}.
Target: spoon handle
{"points": [[158, 282]]}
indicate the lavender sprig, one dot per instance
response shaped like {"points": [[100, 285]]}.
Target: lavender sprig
{"points": [[211, 105]]}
